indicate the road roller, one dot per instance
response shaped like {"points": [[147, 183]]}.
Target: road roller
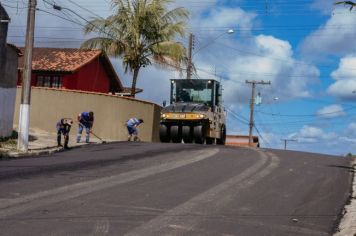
{"points": [[195, 113]]}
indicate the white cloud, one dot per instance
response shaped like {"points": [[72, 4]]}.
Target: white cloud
{"points": [[343, 89], [331, 111], [196, 8], [351, 130], [349, 140], [345, 77], [346, 68], [311, 134], [226, 17], [270, 59], [352, 127], [335, 37], [349, 137], [156, 84]]}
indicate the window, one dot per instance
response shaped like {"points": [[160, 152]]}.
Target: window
{"points": [[196, 91], [56, 82], [49, 81], [40, 81]]}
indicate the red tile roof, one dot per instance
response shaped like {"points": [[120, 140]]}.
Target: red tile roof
{"points": [[69, 60], [60, 59]]}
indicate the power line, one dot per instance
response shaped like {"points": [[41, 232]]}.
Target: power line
{"points": [[307, 115], [238, 117], [14, 7], [61, 17], [86, 9], [260, 135]]}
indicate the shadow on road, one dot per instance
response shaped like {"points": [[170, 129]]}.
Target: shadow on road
{"points": [[350, 169]]}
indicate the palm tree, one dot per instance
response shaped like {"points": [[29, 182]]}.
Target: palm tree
{"points": [[140, 32], [352, 4]]}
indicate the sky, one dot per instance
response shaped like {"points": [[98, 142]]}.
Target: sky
{"points": [[305, 48]]}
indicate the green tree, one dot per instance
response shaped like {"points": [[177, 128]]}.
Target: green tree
{"points": [[141, 32], [352, 4]]}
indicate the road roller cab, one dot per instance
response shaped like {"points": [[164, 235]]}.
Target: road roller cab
{"points": [[195, 113]]}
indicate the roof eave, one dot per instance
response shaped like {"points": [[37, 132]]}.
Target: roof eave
{"points": [[111, 70]]}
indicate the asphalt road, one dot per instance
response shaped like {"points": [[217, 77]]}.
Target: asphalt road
{"points": [[166, 189]]}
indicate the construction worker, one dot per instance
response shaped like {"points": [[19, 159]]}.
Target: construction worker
{"points": [[131, 125], [63, 127], [85, 120]]}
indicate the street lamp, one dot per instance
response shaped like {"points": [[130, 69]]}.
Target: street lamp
{"points": [[190, 51], [230, 31]]}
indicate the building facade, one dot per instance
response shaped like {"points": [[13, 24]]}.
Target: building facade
{"points": [[73, 69]]}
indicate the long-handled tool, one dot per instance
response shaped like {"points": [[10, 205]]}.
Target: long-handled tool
{"points": [[102, 141]]}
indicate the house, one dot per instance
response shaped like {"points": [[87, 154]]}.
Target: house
{"points": [[73, 69], [9, 55], [241, 141]]}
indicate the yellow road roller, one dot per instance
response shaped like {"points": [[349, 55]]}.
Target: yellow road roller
{"points": [[195, 113]]}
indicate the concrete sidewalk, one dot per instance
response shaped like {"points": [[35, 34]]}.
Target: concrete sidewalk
{"points": [[41, 143]]}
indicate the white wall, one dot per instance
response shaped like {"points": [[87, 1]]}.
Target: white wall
{"points": [[7, 107]]}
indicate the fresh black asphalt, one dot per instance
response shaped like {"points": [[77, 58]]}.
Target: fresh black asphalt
{"points": [[173, 189]]}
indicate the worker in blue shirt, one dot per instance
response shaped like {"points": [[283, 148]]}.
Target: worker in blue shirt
{"points": [[63, 128], [86, 121], [131, 125]]}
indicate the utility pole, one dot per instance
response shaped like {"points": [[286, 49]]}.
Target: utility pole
{"points": [[286, 141], [190, 53], [24, 118], [252, 106]]}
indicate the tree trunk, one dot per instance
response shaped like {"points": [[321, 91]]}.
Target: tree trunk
{"points": [[134, 81]]}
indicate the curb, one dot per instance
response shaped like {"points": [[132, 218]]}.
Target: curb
{"points": [[348, 222], [35, 152]]}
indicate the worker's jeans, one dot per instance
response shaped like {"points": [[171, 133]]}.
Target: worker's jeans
{"points": [[80, 131], [65, 135], [132, 130]]}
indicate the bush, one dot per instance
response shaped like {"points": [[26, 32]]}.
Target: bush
{"points": [[14, 135], [350, 155]]}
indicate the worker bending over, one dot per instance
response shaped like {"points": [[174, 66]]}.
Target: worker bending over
{"points": [[131, 125], [86, 121], [63, 127]]}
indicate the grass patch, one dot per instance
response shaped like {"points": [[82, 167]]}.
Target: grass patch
{"points": [[9, 142]]}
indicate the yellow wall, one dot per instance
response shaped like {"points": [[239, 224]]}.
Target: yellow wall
{"points": [[110, 112]]}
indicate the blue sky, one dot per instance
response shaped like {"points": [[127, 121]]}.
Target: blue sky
{"points": [[306, 48]]}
